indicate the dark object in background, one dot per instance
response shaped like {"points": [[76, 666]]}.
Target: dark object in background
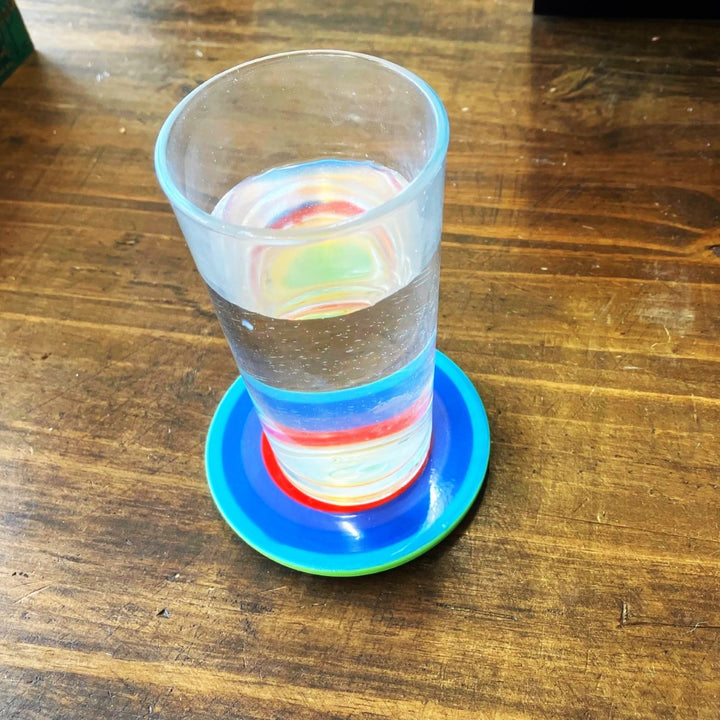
{"points": [[15, 43], [629, 8]]}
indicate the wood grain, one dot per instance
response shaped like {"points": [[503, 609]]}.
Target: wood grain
{"points": [[580, 292]]}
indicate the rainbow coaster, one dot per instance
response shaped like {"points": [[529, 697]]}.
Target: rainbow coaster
{"points": [[360, 542]]}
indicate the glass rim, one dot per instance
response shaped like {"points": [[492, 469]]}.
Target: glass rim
{"points": [[289, 235]]}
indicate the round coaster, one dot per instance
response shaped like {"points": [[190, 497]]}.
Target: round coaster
{"points": [[361, 542]]}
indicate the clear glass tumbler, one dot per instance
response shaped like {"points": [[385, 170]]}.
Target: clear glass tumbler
{"points": [[309, 188]]}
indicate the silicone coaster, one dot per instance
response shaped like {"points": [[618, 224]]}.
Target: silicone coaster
{"points": [[343, 543]]}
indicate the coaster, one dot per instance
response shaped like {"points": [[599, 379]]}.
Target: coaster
{"points": [[361, 542]]}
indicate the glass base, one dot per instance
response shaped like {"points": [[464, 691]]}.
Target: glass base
{"points": [[286, 485]]}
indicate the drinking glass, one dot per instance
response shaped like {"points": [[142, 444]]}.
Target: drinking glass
{"points": [[309, 188]]}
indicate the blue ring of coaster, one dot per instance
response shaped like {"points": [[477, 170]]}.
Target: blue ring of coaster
{"points": [[350, 543]]}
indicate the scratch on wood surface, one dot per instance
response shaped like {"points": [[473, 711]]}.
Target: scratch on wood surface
{"points": [[624, 613], [30, 594], [587, 660], [626, 621], [487, 614], [575, 511], [571, 83]]}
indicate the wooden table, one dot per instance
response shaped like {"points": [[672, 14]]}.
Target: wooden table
{"points": [[580, 293]]}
